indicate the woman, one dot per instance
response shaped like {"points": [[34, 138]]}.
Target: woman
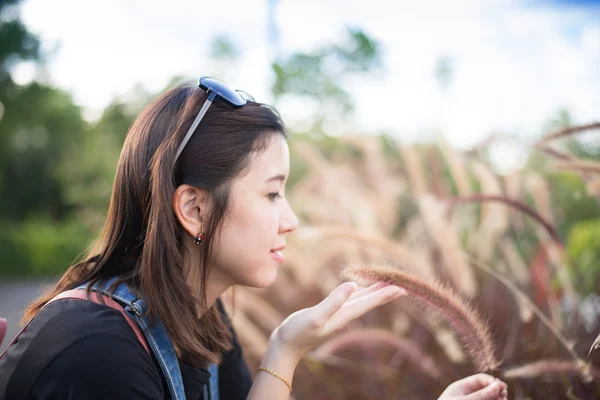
{"points": [[197, 206]]}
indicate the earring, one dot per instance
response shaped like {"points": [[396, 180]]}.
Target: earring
{"points": [[199, 239]]}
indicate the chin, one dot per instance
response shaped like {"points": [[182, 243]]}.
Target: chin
{"points": [[265, 279]]}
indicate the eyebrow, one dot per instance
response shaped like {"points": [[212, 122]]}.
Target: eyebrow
{"points": [[279, 177]]}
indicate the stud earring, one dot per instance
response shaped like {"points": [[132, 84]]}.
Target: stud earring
{"points": [[199, 239]]}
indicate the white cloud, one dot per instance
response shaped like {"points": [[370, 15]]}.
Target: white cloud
{"points": [[513, 66]]}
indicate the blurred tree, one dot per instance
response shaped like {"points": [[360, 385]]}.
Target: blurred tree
{"points": [[36, 124], [39, 125], [575, 209], [39, 128], [443, 72], [16, 43], [583, 249], [223, 47], [585, 145], [91, 168], [321, 75], [225, 54]]}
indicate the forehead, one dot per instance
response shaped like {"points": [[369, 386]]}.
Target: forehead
{"points": [[272, 160]]}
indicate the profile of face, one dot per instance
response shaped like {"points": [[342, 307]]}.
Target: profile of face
{"points": [[258, 220]]}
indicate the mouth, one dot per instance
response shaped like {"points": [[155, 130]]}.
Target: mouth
{"points": [[278, 249], [278, 253]]}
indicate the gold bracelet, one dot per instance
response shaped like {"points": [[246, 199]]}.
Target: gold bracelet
{"points": [[278, 376]]}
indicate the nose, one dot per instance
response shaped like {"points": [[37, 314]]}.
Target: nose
{"points": [[289, 222]]}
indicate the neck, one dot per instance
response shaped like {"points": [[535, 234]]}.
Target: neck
{"points": [[215, 286]]}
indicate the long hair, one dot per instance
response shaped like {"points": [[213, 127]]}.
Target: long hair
{"points": [[142, 241]]}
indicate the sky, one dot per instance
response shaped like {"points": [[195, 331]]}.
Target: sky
{"points": [[515, 63]]}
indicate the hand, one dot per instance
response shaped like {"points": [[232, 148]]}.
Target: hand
{"points": [[476, 387], [308, 328]]}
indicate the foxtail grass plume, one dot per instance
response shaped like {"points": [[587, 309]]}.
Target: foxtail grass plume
{"points": [[457, 168], [579, 165], [553, 367], [516, 204], [595, 345], [471, 329], [570, 130]]}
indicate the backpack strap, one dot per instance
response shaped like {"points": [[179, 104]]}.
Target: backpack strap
{"points": [[3, 328], [81, 295], [95, 297]]}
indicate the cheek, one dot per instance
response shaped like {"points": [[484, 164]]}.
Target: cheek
{"points": [[242, 253], [249, 234], [256, 218]]}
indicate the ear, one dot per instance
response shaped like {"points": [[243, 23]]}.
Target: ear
{"points": [[190, 206]]}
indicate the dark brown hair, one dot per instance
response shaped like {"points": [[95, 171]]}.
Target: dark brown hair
{"points": [[142, 241]]}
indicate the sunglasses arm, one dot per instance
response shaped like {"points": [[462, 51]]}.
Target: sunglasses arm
{"points": [[203, 110]]}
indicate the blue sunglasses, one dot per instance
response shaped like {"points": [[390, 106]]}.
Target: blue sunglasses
{"points": [[235, 98]]}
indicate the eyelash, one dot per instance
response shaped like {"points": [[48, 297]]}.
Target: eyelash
{"points": [[273, 196]]}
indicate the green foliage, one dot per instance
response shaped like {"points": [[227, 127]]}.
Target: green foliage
{"points": [[443, 72], [571, 201], [17, 43], [579, 145], [223, 48], [320, 75], [583, 248], [40, 246], [91, 167], [37, 123], [44, 142], [38, 127]]}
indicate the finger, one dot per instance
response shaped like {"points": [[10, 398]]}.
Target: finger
{"points": [[503, 386], [356, 308], [490, 392], [379, 292], [336, 299], [366, 290], [477, 382]]}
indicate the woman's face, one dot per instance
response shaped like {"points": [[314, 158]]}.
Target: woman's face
{"points": [[258, 219]]}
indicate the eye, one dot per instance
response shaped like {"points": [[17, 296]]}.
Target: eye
{"points": [[274, 195]]}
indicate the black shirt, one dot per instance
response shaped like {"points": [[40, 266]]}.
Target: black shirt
{"points": [[76, 349]]}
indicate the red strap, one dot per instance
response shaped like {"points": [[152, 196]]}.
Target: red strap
{"points": [[95, 297], [80, 294], [3, 327]]}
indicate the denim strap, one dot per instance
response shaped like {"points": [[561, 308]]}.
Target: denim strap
{"points": [[156, 334], [158, 340], [214, 381]]}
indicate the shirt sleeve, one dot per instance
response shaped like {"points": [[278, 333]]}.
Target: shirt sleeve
{"points": [[101, 366]]}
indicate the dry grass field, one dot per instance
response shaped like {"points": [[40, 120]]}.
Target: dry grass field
{"points": [[491, 287]]}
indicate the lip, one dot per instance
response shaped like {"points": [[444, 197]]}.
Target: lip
{"points": [[277, 255]]}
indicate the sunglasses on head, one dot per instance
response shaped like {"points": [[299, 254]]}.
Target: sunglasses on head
{"points": [[214, 88]]}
